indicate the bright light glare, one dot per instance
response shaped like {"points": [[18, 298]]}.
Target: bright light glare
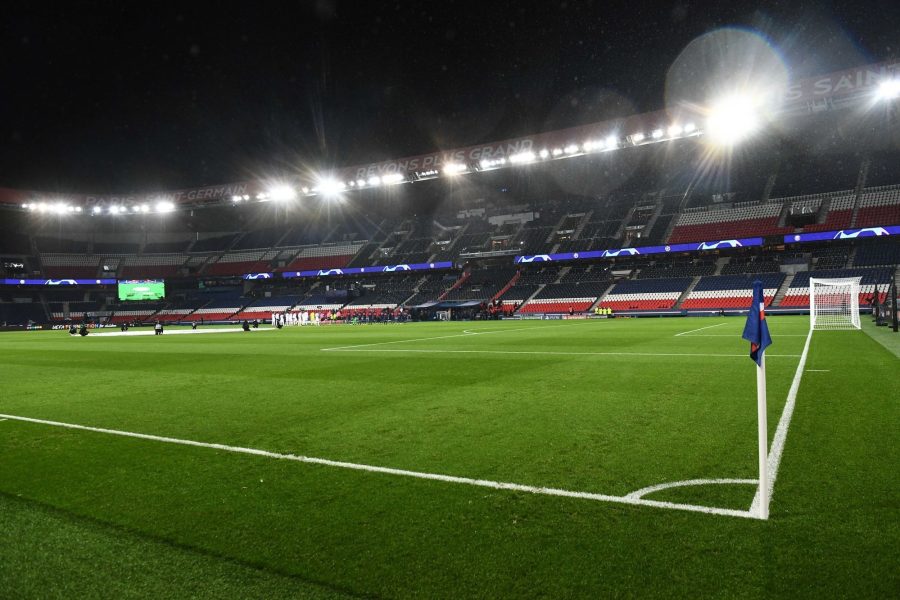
{"points": [[889, 89], [689, 128], [557, 151], [281, 193], [331, 187], [114, 210], [571, 149], [731, 120], [637, 138], [164, 206], [675, 130], [612, 142], [97, 210], [454, 168], [544, 153], [522, 157], [392, 178]]}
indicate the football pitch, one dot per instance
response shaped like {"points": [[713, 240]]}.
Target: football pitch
{"points": [[461, 459]]}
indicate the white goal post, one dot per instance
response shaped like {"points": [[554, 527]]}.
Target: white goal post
{"points": [[834, 303]]}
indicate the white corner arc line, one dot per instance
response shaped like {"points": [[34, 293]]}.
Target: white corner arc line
{"points": [[700, 329], [498, 485], [688, 482], [773, 461]]}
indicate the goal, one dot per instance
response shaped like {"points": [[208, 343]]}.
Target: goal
{"points": [[834, 303]]}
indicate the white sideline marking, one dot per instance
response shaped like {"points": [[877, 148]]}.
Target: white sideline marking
{"points": [[547, 352], [700, 329], [777, 449], [465, 333], [3, 419], [498, 485], [176, 332], [818, 370], [735, 336], [688, 482]]}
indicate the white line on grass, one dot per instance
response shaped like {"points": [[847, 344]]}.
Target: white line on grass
{"points": [[498, 485], [773, 461], [736, 336], [700, 329], [549, 352], [465, 333], [175, 332], [818, 370], [689, 482]]}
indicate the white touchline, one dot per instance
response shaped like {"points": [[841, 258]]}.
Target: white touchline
{"points": [[548, 352], [700, 329], [498, 485], [773, 461], [818, 370], [175, 332]]}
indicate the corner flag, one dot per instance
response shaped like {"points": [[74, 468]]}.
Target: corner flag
{"points": [[756, 330]]}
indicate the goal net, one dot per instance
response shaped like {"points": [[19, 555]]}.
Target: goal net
{"points": [[834, 303]]}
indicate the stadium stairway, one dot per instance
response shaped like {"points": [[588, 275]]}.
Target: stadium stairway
{"points": [[720, 263], [602, 296], [687, 292], [779, 295], [531, 297], [860, 184], [463, 278], [508, 285]]}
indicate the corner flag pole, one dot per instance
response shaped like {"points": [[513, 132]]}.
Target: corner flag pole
{"points": [[756, 331], [763, 438]]}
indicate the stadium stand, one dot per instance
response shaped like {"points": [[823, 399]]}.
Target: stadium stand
{"points": [[730, 291], [263, 308], [879, 207], [743, 220], [646, 294], [797, 294]]}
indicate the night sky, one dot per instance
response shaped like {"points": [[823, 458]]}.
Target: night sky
{"points": [[127, 96]]}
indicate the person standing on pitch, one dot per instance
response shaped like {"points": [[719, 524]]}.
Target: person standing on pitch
{"points": [[158, 328]]}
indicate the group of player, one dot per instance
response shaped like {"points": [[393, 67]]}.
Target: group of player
{"points": [[297, 318]]}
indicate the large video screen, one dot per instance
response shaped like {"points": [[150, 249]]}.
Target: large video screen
{"points": [[142, 290]]}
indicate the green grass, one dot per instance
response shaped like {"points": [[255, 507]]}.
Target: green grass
{"points": [[601, 406]]}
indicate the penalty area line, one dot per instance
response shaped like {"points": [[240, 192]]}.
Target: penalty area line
{"points": [[484, 483]]}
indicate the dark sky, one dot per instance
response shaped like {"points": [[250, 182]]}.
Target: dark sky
{"points": [[138, 96]]}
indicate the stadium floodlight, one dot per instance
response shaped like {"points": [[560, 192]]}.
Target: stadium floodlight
{"points": [[889, 89], [544, 153], [97, 210], [557, 151], [690, 128], [305, 190], [571, 149], [78, 209], [637, 138], [732, 119], [657, 133], [454, 168], [164, 206], [392, 178], [375, 180], [330, 187], [114, 209], [145, 208], [522, 157], [282, 193], [675, 130], [236, 198], [612, 142]]}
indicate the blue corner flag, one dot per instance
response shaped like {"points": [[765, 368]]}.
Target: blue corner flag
{"points": [[756, 331]]}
